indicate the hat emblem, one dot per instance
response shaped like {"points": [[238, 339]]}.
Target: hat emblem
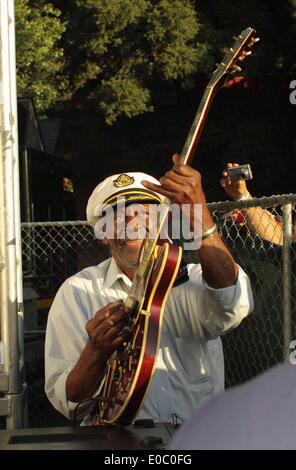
{"points": [[123, 180]]}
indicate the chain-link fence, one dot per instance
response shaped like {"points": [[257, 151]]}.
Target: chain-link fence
{"points": [[263, 339], [54, 251]]}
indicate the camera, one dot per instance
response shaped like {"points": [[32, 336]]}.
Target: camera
{"points": [[241, 172]]}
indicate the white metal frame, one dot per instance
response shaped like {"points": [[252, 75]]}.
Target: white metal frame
{"points": [[11, 303]]}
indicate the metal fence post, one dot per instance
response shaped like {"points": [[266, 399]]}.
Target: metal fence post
{"points": [[11, 403], [287, 278]]}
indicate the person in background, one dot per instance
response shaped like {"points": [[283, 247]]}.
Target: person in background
{"points": [[260, 221]]}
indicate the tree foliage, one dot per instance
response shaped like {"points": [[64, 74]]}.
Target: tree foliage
{"points": [[39, 58], [118, 54], [94, 62], [117, 50]]}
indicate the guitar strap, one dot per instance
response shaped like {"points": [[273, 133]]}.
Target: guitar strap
{"points": [[182, 275]]}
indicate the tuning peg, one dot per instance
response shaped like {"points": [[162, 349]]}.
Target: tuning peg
{"points": [[244, 54], [236, 68], [252, 42]]}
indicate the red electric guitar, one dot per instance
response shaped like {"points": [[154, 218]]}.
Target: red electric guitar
{"points": [[130, 369]]}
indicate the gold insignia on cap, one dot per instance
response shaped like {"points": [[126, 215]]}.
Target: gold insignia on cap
{"points": [[123, 180]]}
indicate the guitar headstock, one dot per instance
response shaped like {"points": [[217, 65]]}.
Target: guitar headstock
{"points": [[239, 50]]}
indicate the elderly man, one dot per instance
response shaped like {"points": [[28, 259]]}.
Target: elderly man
{"points": [[87, 318]]}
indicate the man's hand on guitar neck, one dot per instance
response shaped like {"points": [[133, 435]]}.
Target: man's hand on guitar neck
{"points": [[183, 186]]}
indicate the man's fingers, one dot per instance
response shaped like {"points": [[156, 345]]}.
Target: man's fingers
{"points": [[106, 311], [171, 176], [104, 334], [156, 188], [226, 180], [113, 331], [173, 182], [113, 318], [176, 158], [113, 321], [112, 306], [118, 340]]}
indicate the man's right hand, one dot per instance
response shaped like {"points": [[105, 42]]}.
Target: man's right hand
{"points": [[104, 329], [235, 190]]}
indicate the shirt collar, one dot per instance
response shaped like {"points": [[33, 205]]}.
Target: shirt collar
{"points": [[113, 274]]}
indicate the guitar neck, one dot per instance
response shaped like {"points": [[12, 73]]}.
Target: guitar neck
{"points": [[185, 158], [228, 66], [193, 137], [197, 126]]}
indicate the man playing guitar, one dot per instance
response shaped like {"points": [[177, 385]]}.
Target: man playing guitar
{"points": [[88, 319]]}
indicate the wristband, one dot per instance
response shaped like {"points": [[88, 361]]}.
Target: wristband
{"points": [[245, 196], [209, 232], [205, 234]]}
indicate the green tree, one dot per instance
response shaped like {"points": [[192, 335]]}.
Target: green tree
{"points": [[39, 58], [118, 54], [118, 51]]}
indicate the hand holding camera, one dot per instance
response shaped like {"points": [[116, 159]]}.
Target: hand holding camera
{"points": [[234, 179]]}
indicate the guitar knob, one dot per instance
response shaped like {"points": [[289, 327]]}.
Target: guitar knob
{"points": [[127, 346]]}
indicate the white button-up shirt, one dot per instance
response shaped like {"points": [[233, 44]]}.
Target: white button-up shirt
{"points": [[190, 365]]}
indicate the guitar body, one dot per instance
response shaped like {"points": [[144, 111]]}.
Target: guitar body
{"points": [[129, 371]]}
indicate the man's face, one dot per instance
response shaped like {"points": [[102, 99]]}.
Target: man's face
{"points": [[131, 225]]}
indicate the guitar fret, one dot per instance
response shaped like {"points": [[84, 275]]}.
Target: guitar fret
{"points": [[191, 141]]}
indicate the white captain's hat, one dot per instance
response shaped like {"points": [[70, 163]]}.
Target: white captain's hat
{"points": [[124, 187]]}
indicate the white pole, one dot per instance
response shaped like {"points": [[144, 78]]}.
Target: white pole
{"points": [[10, 242], [16, 177]]}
